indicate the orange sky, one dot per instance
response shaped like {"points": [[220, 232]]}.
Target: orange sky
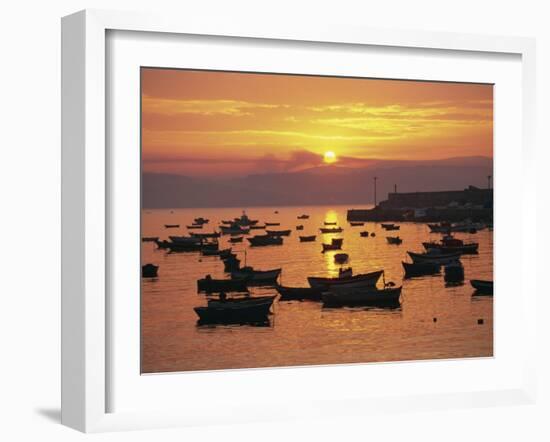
{"points": [[204, 123]]}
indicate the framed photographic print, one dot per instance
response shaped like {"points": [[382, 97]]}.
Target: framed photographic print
{"points": [[249, 210]]}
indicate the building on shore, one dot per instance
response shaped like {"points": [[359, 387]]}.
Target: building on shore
{"points": [[452, 205]]}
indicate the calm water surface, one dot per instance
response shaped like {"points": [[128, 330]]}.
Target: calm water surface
{"points": [[303, 333]]}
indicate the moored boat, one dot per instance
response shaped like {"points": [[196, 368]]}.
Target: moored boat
{"points": [[331, 229], [245, 221], [364, 234], [150, 239], [194, 226], [171, 226], [235, 312], [309, 238], [392, 227], [252, 276], [304, 216], [330, 223], [205, 235], [361, 280], [201, 220], [341, 258], [236, 239], [387, 226], [257, 227], [272, 224], [394, 240], [300, 227], [449, 244], [482, 287], [335, 244], [355, 224], [234, 229], [265, 240], [433, 256], [149, 271]]}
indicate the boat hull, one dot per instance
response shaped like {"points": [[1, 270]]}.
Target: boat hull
{"points": [[420, 269], [363, 280], [228, 314], [370, 297], [299, 293], [444, 258]]}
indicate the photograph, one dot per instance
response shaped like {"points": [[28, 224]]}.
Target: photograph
{"points": [[303, 220]]}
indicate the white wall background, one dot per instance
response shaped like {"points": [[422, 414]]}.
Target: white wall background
{"points": [[30, 215]]}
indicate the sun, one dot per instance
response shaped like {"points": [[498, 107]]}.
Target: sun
{"points": [[329, 157]]}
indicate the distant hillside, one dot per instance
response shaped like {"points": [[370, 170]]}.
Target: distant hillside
{"points": [[321, 185]]}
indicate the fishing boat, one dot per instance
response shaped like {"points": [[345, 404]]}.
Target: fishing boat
{"points": [[252, 276], [482, 287], [446, 227], [304, 216], [171, 226], [341, 258], [240, 311], [434, 256], [387, 226], [355, 224], [201, 220], [265, 240], [364, 234], [272, 224], [300, 227], [184, 247], [210, 285], [194, 226], [331, 229], [236, 239], [309, 238], [454, 272], [370, 296], [298, 293], [256, 227], [327, 247], [245, 221], [278, 232], [361, 280], [330, 223], [449, 244], [420, 268], [392, 227], [205, 235], [234, 229], [394, 240], [150, 238], [149, 271]]}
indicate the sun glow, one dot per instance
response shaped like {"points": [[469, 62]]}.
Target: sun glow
{"points": [[329, 157]]}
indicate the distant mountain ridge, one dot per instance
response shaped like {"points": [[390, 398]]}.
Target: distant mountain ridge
{"points": [[315, 186]]}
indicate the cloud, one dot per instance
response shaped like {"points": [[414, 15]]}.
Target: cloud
{"points": [[168, 107]]}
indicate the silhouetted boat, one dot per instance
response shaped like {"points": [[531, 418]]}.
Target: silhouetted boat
{"points": [[245, 221], [265, 240], [201, 220], [149, 271], [335, 244], [432, 256], [394, 240], [364, 234], [304, 216], [449, 244], [482, 287], [272, 224], [171, 226], [309, 238], [355, 224], [387, 226], [362, 280], [330, 223], [150, 238], [341, 258], [445, 227], [252, 276], [299, 293], [278, 232], [210, 285], [235, 311], [331, 229], [420, 268], [256, 227], [392, 227], [373, 235], [236, 239], [300, 227], [454, 272], [371, 296], [194, 226]]}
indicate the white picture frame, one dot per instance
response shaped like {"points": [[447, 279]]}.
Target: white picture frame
{"points": [[85, 210]]}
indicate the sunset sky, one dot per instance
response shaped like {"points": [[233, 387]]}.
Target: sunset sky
{"points": [[201, 123]]}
